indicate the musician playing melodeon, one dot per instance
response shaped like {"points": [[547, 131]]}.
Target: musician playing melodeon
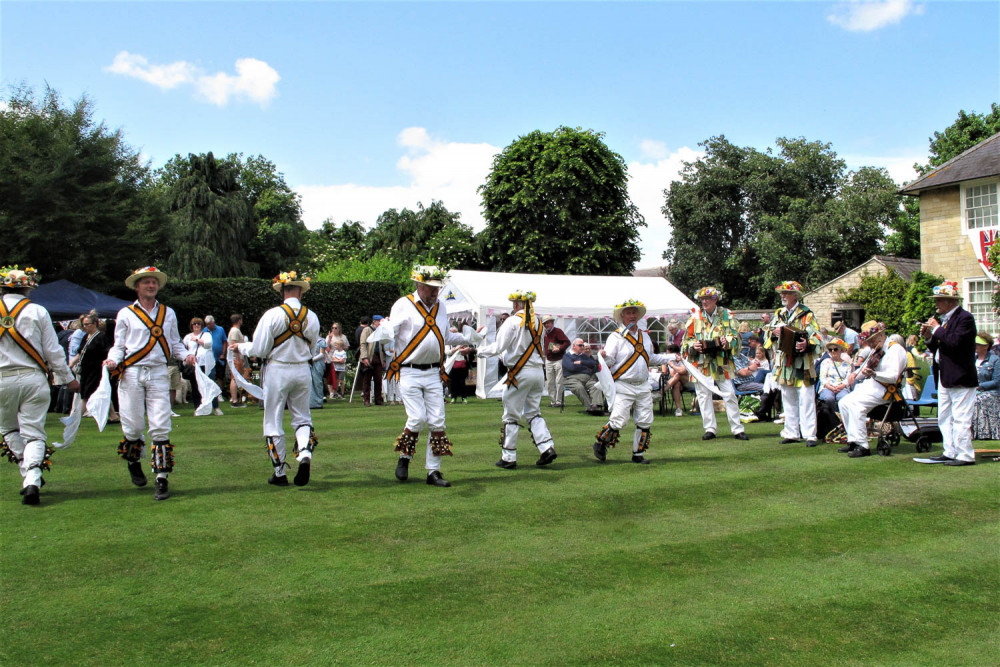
{"points": [[146, 338], [420, 330], [519, 342], [878, 382], [285, 335], [795, 336], [710, 337], [628, 353]]}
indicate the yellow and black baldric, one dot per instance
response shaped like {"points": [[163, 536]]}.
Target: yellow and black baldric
{"points": [[8, 320], [156, 336], [531, 324], [294, 326], [430, 327], [639, 350]]}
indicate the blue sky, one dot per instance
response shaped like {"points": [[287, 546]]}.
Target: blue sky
{"points": [[367, 106]]}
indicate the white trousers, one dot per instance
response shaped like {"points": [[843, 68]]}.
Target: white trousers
{"points": [[522, 402], [144, 395], [423, 399], [854, 410], [24, 401], [799, 404], [956, 407], [553, 382], [707, 408], [287, 384], [635, 400]]}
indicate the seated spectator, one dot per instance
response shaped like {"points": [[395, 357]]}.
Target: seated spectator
{"points": [[678, 378], [914, 379], [833, 372], [744, 331], [579, 369], [746, 374], [760, 356], [986, 421], [676, 333]]}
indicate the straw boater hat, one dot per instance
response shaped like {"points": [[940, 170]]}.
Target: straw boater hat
{"points": [[708, 293], [292, 279], [433, 276], [146, 272], [11, 276], [789, 286], [869, 329], [947, 290], [836, 342], [631, 303]]}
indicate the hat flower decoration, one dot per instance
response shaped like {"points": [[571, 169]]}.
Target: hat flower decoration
{"points": [[708, 293], [429, 275], [946, 290], [12, 276], [870, 329], [291, 278], [522, 295], [789, 286]]}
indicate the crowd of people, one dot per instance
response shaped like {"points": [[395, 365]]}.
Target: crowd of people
{"points": [[416, 353]]}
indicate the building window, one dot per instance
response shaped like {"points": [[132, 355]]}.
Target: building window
{"points": [[596, 331], [980, 304], [980, 205]]}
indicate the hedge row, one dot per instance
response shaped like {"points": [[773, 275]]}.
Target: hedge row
{"points": [[340, 302]]}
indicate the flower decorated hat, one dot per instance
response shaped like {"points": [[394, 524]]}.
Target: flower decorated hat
{"points": [[292, 279], [869, 329], [789, 286], [947, 290], [146, 272], [522, 295], [836, 342], [708, 293], [631, 303], [12, 276], [434, 276]]}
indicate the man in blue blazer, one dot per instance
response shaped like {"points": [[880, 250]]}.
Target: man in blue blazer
{"points": [[952, 341]]}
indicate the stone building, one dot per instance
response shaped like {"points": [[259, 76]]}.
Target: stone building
{"points": [[825, 301]]}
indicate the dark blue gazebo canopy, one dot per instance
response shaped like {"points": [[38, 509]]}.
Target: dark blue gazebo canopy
{"points": [[66, 300]]}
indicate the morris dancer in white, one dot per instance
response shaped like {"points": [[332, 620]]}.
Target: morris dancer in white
{"points": [[285, 335], [882, 371], [519, 343], [29, 352], [145, 338], [420, 330], [628, 353]]}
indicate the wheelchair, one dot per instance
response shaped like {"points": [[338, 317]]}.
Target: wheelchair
{"points": [[886, 425]]}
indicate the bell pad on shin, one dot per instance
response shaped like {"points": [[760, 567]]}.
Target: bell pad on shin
{"points": [[406, 443], [644, 438], [161, 456], [440, 444], [608, 436], [130, 450]]}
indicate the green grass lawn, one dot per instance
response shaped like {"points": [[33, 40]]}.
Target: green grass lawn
{"points": [[720, 551]]}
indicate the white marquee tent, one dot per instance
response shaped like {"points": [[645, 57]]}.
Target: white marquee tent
{"points": [[570, 299]]}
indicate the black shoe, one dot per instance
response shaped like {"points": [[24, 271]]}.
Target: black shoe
{"points": [[506, 465], [741, 436], [547, 457], [30, 494], [942, 458], [788, 441], [845, 449], [858, 452], [600, 451], [278, 481], [811, 443], [708, 435], [435, 479], [302, 474], [638, 458], [402, 469], [135, 470], [161, 489], [953, 462]]}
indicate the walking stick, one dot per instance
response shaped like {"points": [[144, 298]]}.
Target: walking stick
{"points": [[357, 372]]}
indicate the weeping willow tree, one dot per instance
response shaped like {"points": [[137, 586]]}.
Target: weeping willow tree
{"points": [[212, 227]]}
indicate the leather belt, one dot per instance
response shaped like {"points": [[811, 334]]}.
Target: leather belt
{"points": [[421, 367], [19, 371]]}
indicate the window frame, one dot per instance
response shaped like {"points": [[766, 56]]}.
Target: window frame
{"points": [[995, 182], [991, 322]]}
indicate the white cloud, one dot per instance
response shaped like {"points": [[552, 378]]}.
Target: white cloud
{"points": [[255, 80], [646, 183], [865, 15], [900, 167], [651, 148]]}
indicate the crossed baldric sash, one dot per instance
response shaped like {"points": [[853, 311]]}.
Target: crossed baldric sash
{"points": [[7, 321], [639, 350], [430, 327], [529, 323], [156, 337], [296, 323]]}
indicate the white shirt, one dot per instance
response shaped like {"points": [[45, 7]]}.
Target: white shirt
{"points": [[35, 325], [273, 323], [201, 347], [132, 335], [892, 364], [618, 350], [406, 322], [512, 339]]}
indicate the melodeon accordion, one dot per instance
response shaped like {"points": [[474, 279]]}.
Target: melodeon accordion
{"points": [[711, 347], [788, 338]]}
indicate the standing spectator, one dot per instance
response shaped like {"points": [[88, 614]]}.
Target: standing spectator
{"points": [[371, 364], [986, 423], [459, 372], [580, 376], [65, 401], [239, 361], [390, 387], [365, 322], [744, 331], [338, 363], [199, 344], [218, 350], [555, 346], [89, 360], [848, 335], [317, 371], [765, 322], [332, 378]]}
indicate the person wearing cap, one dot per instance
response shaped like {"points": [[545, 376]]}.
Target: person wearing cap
{"points": [[555, 345], [420, 332], [952, 342], [986, 423], [795, 373], [629, 353], [848, 335], [146, 337], [710, 338], [371, 364], [518, 341], [882, 374], [580, 377], [285, 336], [29, 353]]}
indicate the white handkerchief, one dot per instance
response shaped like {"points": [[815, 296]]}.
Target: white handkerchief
{"points": [[99, 403]]}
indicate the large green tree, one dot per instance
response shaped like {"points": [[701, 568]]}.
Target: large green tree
{"points": [[275, 216], [406, 234], [331, 243], [557, 202], [76, 201], [968, 130]]}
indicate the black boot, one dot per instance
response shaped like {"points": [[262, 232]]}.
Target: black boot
{"points": [[161, 489], [30, 495], [506, 465], [302, 474], [277, 480], [600, 451], [639, 458], [547, 457], [435, 479], [135, 470], [402, 469]]}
